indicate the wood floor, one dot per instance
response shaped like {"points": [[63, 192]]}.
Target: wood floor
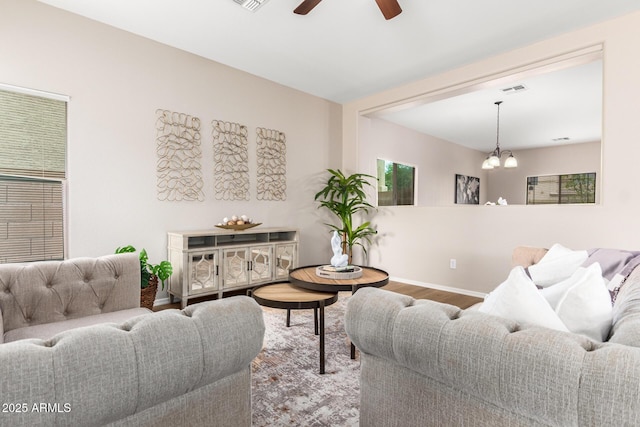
{"points": [[420, 292], [417, 292]]}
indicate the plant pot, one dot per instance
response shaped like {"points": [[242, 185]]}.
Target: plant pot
{"points": [[148, 294]]}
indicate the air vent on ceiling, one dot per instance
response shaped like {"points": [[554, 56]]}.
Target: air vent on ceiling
{"points": [[514, 89], [561, 139], [251, 5]]}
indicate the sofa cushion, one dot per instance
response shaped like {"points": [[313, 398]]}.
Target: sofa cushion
{"points": [[48, 330]]}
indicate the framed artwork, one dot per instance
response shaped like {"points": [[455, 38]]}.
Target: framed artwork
{"points": [[467, 190]]}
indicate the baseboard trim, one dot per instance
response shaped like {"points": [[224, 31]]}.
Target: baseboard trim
{"points": [[439, 287]]}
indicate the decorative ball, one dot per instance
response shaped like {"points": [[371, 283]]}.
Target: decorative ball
{"points": [[239, 222], [234, 218], [225, 220]]}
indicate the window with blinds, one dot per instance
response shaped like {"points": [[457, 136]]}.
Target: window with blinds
{"points": [[33, 139], [561, 189]]}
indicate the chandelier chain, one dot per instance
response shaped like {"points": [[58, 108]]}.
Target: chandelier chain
{"points": [[498, 129]]}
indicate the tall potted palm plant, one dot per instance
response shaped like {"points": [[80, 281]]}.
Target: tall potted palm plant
{"points": [[345, 196]]}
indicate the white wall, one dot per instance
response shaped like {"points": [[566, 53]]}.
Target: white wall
{"points": [[116, 81], [417, 243]]}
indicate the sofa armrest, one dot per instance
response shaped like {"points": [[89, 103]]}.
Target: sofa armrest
{"points": [[107, 372], [555, 378], [526, 256]]}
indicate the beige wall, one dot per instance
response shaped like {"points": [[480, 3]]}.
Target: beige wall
{"points": [[511, 184], [416, 244], [437, 161], [116, 82]]}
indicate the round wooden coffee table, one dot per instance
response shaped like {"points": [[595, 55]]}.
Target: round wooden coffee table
{"points": [[286, 296], [306, 278]]}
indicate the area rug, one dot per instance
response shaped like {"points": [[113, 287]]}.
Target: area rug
{"points": [[287, 388]]}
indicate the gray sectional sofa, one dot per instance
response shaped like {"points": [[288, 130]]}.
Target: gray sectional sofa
{"points": [[186, 367], [431, 364]]}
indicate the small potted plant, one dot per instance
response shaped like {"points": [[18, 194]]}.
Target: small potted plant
{"points": [[345, 196], [149, 275]]}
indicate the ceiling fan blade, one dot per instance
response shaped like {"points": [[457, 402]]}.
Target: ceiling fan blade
{"points": [[306, 6], [389, 8]]}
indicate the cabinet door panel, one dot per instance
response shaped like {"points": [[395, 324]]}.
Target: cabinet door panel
{"points": [[235, 267], [261, 257], [286, 259], [203, 272]]}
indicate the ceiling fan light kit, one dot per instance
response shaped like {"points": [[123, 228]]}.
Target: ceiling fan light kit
{"points": [[389, 8], [493, 159]]}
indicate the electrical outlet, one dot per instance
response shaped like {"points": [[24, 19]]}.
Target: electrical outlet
{"points": [[452, 263]]}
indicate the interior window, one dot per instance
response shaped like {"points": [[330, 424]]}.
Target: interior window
{"points": [[561, 189], [396, 183]]}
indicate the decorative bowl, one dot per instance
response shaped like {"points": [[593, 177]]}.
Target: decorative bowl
{"points": [[239, 226]]}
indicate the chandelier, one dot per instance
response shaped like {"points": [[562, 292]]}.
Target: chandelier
{"points": [[493, 158]]}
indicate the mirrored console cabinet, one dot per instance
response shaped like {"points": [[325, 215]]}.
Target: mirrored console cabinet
{"points": [[216, 261]]}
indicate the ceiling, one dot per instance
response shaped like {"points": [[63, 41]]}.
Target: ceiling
{"points": [[346, 50], [549, 108]]}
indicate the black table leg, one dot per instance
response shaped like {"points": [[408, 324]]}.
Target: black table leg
{"points": [[288, 317], [315, 321], [321, 337]]}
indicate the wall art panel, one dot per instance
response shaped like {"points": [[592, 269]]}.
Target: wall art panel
{"points": [[272, 164], [231, 161], [179, 174]]}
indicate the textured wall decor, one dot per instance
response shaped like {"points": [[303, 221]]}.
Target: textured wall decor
{"points": [[179, 153], [272, 164], [231, 161]]}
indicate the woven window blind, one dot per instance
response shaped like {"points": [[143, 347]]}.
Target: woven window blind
{"points": [[33, 136]]}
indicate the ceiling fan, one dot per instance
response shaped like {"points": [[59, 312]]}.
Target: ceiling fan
{"points": [[389, 8]]}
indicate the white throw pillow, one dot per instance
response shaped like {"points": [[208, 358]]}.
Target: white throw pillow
{"points": [[517, 298], [558, 264], [585, 307]]}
